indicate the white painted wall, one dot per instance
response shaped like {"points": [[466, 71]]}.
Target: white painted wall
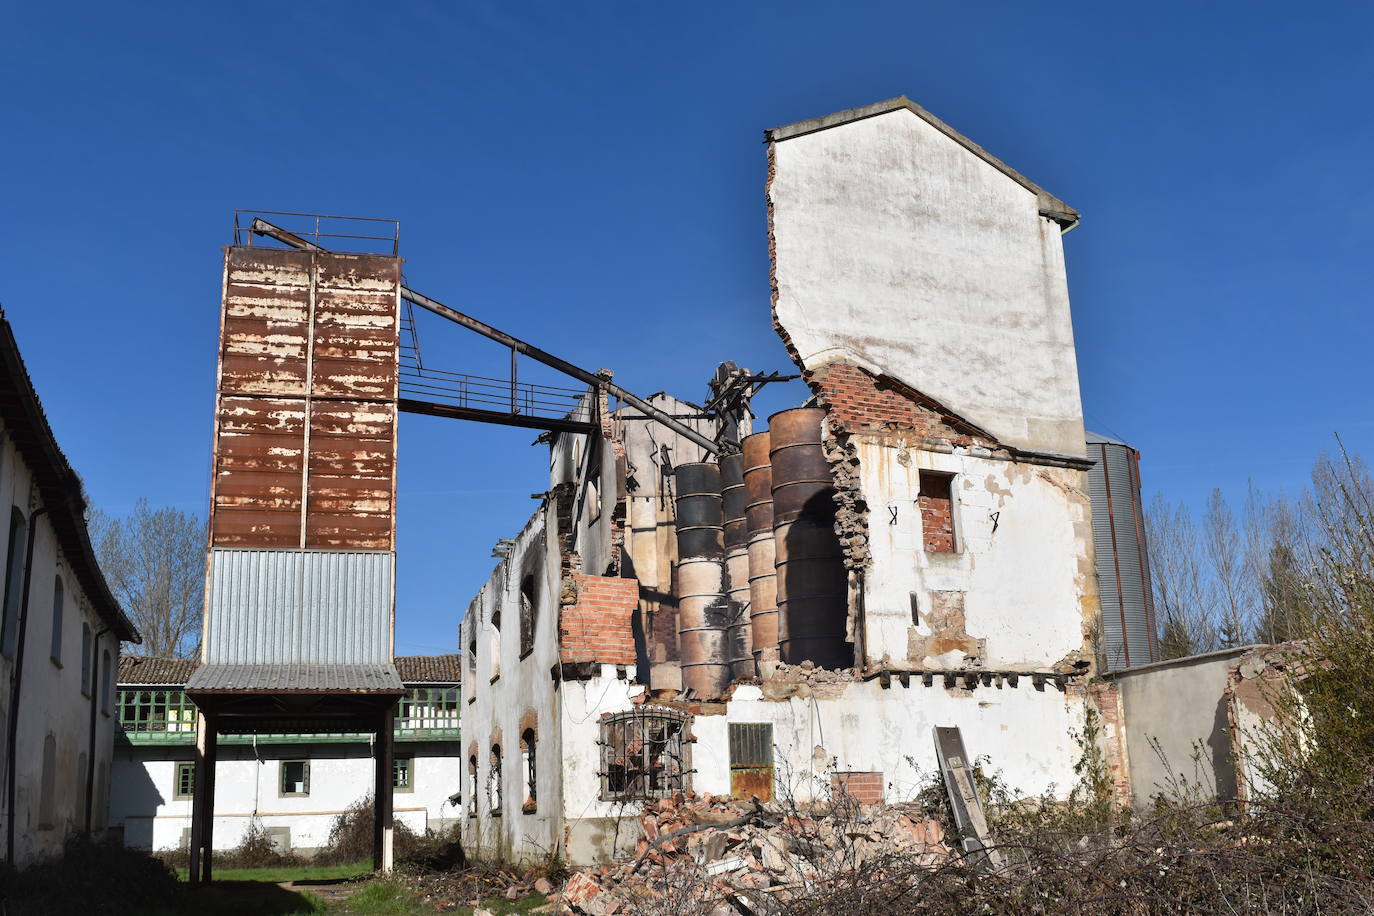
{"points": [[51, 699], [899, 250], [1026, 734], [1024, 560], [145, 805], [493, 709]]}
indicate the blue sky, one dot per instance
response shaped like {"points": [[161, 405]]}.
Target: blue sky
{"points": [[558, 168]]}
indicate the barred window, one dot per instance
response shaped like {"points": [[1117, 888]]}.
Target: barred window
{"points": [[644, 754]]}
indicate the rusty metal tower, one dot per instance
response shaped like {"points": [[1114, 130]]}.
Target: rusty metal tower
{"points": [[299, 614]]}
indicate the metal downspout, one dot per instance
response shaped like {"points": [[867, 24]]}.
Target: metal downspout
{"points": [[17, 681]]}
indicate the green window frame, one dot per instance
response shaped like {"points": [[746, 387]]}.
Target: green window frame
{"points": [[294, 779], [185, 785], [403, 774]]}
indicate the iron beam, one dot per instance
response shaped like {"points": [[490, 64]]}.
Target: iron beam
{"points": [[263, 227]]}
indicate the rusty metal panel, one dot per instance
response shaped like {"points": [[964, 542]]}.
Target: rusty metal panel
{"points": [[301, 325], [751, 760], [258, 472], [356, 333], [266, 330], [352, 475], [299, 607]]}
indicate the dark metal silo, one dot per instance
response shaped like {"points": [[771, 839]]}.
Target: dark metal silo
{"points": [[738, 635], [763, 574], [703, 609], [1129, 635], [812, 585]]}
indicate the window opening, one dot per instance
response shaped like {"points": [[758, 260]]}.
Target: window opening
{"points": [[86, 657], [401, 773], [57, 598], [186, 780], [527, 758], [494, 782], [47, 793], [643, 754], [937, 512], [496, 643], [107, 684], [527, 616], [14, 579], [295, 777], [472, 786]]}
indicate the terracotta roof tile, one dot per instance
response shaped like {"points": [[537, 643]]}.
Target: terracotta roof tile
{"points": [[413, 669], [143, 669], [430, 669]]}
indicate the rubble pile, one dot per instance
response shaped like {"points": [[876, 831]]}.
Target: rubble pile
{"points": [[731, 858]]}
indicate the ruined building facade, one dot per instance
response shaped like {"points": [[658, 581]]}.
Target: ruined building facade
{"points": [[911, 548]]}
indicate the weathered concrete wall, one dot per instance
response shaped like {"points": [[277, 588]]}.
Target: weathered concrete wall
{"points": [[506, 692], [52, 700], [247, 781], [898, 249], [1177, 729], [1018, 592]]}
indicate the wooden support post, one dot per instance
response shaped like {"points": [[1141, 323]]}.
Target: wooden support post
{"points": [[203, 799], [381, 797]]}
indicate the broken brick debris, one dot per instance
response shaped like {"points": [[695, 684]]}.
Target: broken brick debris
{"points": [[749, 858]]}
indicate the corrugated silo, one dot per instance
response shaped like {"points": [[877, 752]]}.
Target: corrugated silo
{"points": [[1129, 636]]}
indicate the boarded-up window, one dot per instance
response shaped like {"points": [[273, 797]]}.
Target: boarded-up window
{"points": [[751, 760], [937, 512], [643, 754]]}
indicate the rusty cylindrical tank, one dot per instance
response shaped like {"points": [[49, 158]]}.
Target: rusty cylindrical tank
{"points": [[813, 593], [738, 635], [703, 609], [763, 575]]}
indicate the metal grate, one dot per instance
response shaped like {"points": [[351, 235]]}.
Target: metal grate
{"points": [[751, 744], [643, 754]]}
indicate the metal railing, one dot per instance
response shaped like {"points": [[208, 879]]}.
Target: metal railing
{"points": [[344, 234], [167, 716]]}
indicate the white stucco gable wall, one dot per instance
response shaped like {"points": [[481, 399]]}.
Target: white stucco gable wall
{"points": [[899, 249]]}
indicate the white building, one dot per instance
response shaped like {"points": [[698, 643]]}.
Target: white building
{"points": [[940, 574], [294, 784], [59, 636]]}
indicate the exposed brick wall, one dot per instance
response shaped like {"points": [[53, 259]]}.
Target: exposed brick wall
{"points": [[857, 400], [599, 625], [937, 513], [1107, 698], [864, 788]]}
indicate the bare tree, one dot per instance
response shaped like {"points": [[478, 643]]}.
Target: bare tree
{"points": [[1182, 590], [154, 560]]}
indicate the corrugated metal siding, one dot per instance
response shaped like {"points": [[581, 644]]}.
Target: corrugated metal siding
{"points": [[299, 606], [1128, 620]]}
